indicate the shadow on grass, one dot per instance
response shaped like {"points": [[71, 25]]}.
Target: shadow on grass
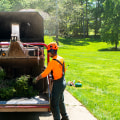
{"points": [[78, 41], [109, 49]]}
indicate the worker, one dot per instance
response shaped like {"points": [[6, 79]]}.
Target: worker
{"points": [[57, 66]]}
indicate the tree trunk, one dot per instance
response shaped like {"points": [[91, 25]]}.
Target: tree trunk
{"points": [[116, 45], [57, 27], [86, 19], [83, 19]]}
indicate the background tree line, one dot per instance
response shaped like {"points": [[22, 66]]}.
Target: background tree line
{"points": [[75, 18]]}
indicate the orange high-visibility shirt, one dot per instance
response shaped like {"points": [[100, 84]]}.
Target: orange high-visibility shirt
{"points": [[54, 66]]}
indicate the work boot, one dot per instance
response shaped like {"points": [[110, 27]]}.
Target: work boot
{"points": [[65, 118]]}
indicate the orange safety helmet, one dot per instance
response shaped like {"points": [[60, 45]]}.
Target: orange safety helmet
{"points": [[52, 46]]}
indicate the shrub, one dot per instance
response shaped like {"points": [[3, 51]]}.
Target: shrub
{"points": [[22, 87], [18, 87], [2, 74]]}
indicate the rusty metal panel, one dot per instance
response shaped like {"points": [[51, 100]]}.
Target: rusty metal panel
{"points": [[31, 26]]}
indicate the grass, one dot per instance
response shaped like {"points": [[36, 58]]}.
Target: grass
{"points": [[98, 67]]}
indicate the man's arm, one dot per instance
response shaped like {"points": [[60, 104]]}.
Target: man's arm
{"points": [[44, 73]]}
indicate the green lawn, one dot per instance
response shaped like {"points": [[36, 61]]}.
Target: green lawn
{"points": [[92, 62]]}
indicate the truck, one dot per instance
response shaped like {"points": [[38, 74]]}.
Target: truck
{"points": [[22, 52]]}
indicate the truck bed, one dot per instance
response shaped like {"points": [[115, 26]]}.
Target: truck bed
{"points": [[34, 104]]}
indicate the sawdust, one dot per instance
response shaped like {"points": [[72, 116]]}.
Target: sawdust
{"points": [[16, 50]]}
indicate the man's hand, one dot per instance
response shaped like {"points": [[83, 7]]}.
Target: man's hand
{"points": [[34, 80], [37, 78]]}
